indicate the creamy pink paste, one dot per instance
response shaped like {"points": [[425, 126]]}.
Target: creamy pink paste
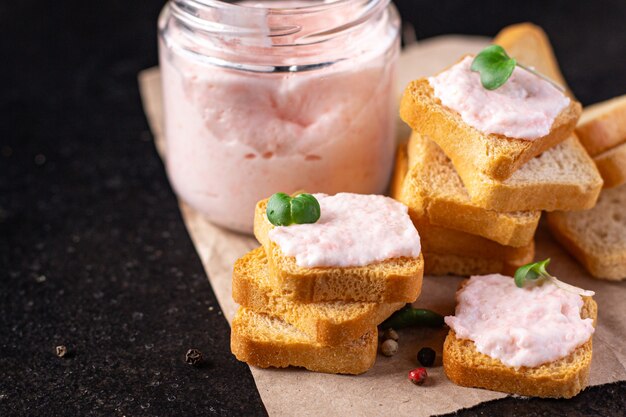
{"points": [[519, 326], [524, 107], [234, 136], [353, 230]]}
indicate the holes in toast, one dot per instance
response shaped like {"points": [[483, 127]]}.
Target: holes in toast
{"points": [[617, 217], [312, 158], [250, 156]]}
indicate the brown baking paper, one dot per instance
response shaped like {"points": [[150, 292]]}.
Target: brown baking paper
{"points": [[385, 390]]}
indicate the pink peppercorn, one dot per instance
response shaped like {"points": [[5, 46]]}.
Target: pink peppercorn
{"points": [[418, 376]]}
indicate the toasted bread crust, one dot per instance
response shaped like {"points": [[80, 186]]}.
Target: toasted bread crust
{"points": [[249, 345], [389, 281], [470, 150], [612, 166], [458, 213], [512, 194], [603, 125], [437, 264], [328, 323], [563, 378]]}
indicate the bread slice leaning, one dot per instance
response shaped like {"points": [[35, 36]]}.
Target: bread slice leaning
{"points": [[562, 178], [389, 281], [529, 45], [602, 126], [266, 341], [563, 378], [612, 166], [596, 237], [470, 150], [433, 188], [328, 323]]}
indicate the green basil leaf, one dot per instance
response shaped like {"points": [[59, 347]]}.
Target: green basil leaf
{"points": [[305, 209], [279, 210], [494, 65], [530, 272]]}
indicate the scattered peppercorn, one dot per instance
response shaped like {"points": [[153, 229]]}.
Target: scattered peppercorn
{"points": [[390, 334], [389, 347], [418, 376], [193, 357], [61, 351], [426, 356]]}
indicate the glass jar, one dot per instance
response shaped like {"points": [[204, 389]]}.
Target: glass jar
{"points": [[276, 96]]}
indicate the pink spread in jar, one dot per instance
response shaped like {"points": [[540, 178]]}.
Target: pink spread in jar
{"points": [[525, 107], [519, 326], [353, 230], [276, 96]]}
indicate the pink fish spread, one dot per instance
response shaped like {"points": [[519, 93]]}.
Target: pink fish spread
{"points": [[525, 107], [519, 326], [353, 230]]}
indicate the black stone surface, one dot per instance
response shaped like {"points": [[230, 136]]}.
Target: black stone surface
{"points": [[93, 251]]}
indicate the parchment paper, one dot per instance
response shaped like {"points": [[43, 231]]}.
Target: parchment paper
{"points": [[385, 390]]}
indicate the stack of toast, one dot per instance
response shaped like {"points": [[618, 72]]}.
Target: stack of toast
{"points": [[323, 319], [595, 236], [476, 198]]}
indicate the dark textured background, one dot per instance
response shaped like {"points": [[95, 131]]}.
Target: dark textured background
{"points": [[93, 251]]}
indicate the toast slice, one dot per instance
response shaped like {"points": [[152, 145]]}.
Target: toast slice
{"points": [[602, 126], [266, 341], [529, 44], [563, 378], [436, 239], [433, 190], [441, 240], [562, 178], [472, 151], [327, 323], [437, 264], [596, 237], [612, 166], [389, 281]]}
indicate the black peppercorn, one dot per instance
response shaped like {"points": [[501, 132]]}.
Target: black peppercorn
{"points": [[426, 356], [193, 357]]}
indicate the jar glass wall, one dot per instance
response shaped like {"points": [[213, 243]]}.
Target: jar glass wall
{"points": [[276, 96]]}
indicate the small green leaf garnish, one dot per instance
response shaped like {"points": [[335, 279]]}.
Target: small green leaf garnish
{"points": [[283, 210], [531, 272], [537, 272], [494, 65]]}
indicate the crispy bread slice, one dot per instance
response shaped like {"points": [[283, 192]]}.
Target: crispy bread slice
{"points": [[266, 341], [328, 323], [437, 264], [562, 178], [612, 166], [432, 189], [392, 280], [441, 240], [470, 150], [596, 237], [602, 126], [563, 378]]}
